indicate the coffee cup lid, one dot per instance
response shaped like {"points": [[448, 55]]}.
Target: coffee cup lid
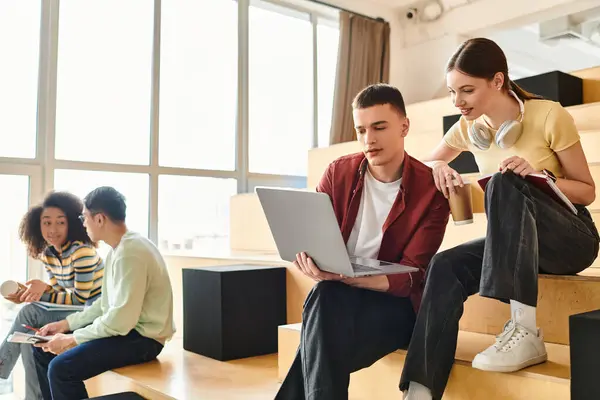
{"points": [[9, 287]]}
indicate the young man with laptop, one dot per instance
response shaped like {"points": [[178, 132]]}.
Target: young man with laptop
{"points": [[383, 205]]}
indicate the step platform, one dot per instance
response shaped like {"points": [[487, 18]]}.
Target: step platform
{"points": [[547, 381]]}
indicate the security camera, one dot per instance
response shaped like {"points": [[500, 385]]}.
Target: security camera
{"points": [[411, 13]]}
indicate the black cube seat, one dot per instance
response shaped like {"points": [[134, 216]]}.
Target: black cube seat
{"points": [[584, 342], [119, 396], [232, 312]]}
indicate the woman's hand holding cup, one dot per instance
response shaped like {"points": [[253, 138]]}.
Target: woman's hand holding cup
{"points": [[446, 178], [458, 193]]}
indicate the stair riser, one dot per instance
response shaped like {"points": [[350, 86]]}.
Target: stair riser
{"points": [[556, 301]]}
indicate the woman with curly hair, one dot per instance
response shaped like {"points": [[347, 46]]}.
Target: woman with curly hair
{"points": [[55, 235]]}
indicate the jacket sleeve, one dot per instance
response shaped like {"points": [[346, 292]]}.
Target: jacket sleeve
{"points": [[421, 248], [326, 183]]}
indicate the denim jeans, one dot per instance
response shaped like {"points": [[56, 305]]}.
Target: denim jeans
{"points": [[35, 317], [528, 233], [344, 329], [61, 377]]}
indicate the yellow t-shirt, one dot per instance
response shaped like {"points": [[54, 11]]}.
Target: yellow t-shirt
{"points": [[547, 129]]}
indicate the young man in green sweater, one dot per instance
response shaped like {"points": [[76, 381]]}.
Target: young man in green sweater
{"points": [[131, 321]]}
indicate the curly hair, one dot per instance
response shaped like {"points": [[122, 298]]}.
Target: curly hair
{"points": [[30, 231]]}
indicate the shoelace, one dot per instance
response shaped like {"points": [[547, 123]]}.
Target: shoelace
{"points": [[501, 338], [512, 334]]}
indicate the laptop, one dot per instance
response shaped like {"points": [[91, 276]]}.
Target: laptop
{"points": [[305, 221]]}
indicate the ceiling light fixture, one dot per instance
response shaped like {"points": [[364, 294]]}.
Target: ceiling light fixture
{"points": [[432, 10]]}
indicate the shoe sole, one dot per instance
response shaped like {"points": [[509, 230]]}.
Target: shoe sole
{"points": [[510, 368]]}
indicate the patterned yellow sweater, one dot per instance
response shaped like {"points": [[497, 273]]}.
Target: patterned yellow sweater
{"points": [[75, 274]]}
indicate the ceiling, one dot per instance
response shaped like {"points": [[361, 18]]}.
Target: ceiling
{"points": [[395, 4], [529, 54]]}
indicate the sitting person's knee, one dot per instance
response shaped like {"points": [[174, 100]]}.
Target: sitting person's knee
{"points": [[323, 294], [58, 370], [502, 181], [443, 269], [327, 289], [27, 314], [439, 265]]}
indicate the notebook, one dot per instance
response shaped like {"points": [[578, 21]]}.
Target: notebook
{"points": [[545, 184], [20, 337], [57, 307]]}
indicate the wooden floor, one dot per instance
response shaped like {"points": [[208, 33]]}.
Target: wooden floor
{"points": [[183, 375]]}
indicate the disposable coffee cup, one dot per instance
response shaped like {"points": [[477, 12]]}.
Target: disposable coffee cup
{"points": [[461, 205], [10, 287]]}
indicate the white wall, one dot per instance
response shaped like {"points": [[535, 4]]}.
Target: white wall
{"points": [[419, 51]]}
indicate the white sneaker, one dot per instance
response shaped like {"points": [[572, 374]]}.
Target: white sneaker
{"points": [[515, 348]]}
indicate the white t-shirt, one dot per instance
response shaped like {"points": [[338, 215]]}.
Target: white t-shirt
{"points": [[375, 204]]}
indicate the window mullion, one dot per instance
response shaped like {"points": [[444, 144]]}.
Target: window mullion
{"points": [[315, 138], [242, 142], [154, 126], [47, 91]]}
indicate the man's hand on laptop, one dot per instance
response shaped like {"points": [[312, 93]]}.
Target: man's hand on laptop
{"points": [[379, 283], [307, 266]]}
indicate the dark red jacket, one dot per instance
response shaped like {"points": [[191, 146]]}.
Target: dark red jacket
{"points": [[415, 226]]}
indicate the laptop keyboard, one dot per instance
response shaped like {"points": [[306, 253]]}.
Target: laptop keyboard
{"points": [[363, 268]]}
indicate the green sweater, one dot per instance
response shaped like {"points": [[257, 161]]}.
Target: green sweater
{"points": [[136, 294]]}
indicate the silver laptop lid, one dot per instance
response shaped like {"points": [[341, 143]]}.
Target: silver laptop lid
{"points": [[305, 221]]}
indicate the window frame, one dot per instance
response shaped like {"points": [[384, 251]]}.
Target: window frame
{"points": [[41, 169]]}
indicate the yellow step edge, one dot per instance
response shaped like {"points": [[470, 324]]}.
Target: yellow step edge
{"points": [[546, 381], [183, 375]]}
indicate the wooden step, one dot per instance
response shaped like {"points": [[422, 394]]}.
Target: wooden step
{"points": [[558, 298], [591, 83], [183, 375], [319, 158], [249, 229], [586, 116], [380, 381], [427, 116], [590, 141]]}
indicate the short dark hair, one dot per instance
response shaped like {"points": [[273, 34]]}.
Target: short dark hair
{"points": [[108, 201], [380, 94], [30, 231]]}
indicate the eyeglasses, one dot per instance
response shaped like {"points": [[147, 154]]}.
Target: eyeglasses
{"points": [[82, 218]]}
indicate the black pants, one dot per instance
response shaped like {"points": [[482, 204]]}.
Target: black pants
{"points": [[344, 329], [527, 233]]}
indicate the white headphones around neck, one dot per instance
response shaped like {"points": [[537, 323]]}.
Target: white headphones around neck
{"points": [[507, 135]]}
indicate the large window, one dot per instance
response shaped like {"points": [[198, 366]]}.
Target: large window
{"points": [[104, 77], [281, 91], [19, 44], [327, 52], [198, 84], [178, 104], [13, 259], [193, 213], [13, 256], [133, 186]]}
